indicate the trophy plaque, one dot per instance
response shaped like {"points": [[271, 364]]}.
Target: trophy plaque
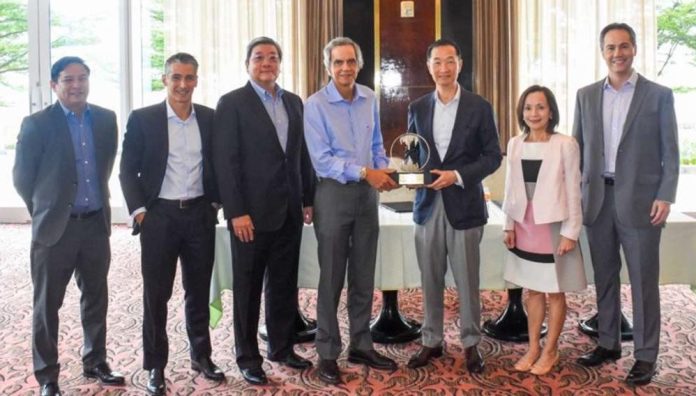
{"points": [[410, 153]]}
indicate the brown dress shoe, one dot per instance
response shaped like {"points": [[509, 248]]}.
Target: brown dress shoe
{"points": [[474, 360], [423, 356]]}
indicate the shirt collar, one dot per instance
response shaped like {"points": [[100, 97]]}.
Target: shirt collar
{"points": [[335, 96], [455, 99], [171, 114], [263, 93], [67, 111], [631, 81]]}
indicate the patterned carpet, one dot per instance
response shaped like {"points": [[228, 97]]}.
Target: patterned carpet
{"points": [[676, 365]]}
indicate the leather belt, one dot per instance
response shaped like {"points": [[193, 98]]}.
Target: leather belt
{"points": [[182, 203], [349, 182], [609, 181], [84, 215]]}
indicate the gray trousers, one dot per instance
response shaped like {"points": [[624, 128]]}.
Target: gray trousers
{"points": [[83, 250], [641, 250], [346, 224], [436, 241]]}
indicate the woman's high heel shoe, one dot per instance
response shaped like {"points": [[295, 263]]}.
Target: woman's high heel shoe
{"points": [[538, 369], [525, 363]]}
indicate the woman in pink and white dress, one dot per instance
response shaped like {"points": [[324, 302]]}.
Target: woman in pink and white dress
{"points": [[543, 220]]}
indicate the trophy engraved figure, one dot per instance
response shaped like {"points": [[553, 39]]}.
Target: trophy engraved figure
{"points": [[410, 153]]}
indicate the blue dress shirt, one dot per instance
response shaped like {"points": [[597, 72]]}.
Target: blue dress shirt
{"points": [[89, 196], [343, 136], [276, 111], [615, 105]]}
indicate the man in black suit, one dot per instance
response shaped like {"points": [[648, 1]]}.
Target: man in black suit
{"points": [[169, 185], [266, 184], [64, 159], [450, 212]]}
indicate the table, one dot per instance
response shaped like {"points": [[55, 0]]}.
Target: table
{"points": [[397, 267]]}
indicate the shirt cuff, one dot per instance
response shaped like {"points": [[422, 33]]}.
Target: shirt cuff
{"points": [[352, 172], [137, 212], [459, 182]]}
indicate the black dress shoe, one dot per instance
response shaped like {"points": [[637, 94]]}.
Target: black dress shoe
{"points": [[155, 383], [598, 356], [208, 368], [371, 358], [254, 375], [50, 389], [328, 372], [423, 356], [474, 360], [295, 361], [641, 373], [103, 373]]}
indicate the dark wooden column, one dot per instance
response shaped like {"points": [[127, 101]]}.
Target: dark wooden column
{"points": [[394, 50], [400, 45]]}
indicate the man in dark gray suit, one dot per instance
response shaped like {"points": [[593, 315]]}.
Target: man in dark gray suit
{"points": [[627, 131], [64, 158], [169, 185], [267, 190]]}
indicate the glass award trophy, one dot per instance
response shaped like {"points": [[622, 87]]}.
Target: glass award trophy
{"points": [[410, 153]]}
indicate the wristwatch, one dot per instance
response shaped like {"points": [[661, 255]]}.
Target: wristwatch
{"points": [[363, 173]]}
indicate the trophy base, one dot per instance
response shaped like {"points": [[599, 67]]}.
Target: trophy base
{"points": [[412, 179]]}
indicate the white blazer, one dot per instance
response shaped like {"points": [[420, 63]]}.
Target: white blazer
{"points": [[557, 193]]}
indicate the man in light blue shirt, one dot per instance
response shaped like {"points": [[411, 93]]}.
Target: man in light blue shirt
{"points": [[345, 143]]}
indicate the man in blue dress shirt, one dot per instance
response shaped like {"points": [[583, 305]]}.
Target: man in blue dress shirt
{"points": [[64, 158], [266, 187], [345, 143]]}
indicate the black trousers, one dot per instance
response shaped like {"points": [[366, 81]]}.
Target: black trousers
{"points": [[83, 250], [169, 233], [270, 263]]}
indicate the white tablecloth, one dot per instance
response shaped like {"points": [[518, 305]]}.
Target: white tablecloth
{"points": [[397, 267]]}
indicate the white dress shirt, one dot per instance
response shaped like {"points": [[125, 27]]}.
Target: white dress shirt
{"points": [[443, 122], [183, 178]]}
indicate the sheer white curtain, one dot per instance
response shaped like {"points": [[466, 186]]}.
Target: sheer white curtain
{"points": [[559, 44], [216, 32]]}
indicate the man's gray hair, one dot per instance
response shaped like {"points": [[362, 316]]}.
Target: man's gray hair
{"points": [[180, 57], [338, 42]]}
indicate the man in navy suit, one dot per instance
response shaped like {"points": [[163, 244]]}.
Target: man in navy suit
{"points": [[169, 185], [450, 213], [64, 159], [266, 184]]}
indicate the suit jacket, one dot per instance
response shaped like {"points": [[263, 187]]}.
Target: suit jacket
{"points": [[474, 151], [557, 192], [145, 153], [647, 159], [44, 172], [255, 176]]}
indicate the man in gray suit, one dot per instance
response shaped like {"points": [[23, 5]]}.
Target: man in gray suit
{"points": [[64, 158], [627, 131]]}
